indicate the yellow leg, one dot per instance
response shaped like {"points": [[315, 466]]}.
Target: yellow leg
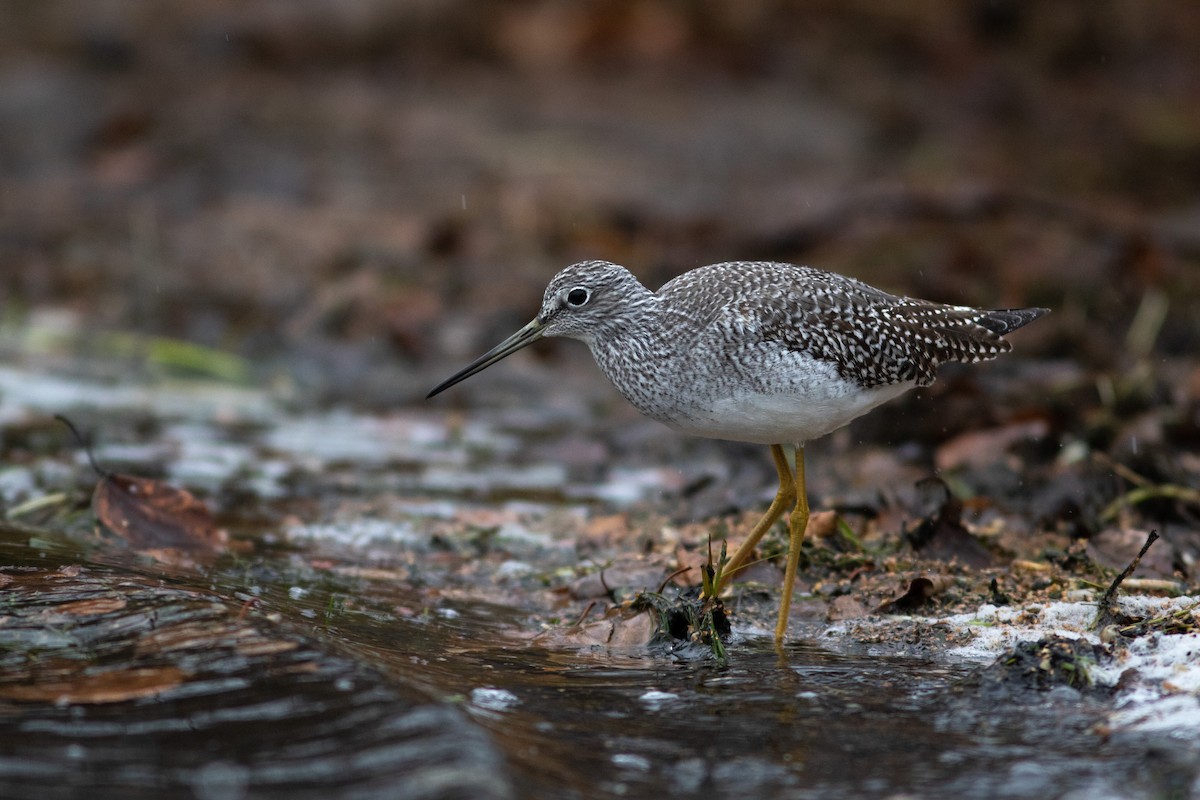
{"points": [[797, 524], [785, 497]]}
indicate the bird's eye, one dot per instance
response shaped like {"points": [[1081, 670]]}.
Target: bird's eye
{"points": [[577, 296]]}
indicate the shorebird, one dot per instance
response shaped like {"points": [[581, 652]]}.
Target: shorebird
{"points": [[758, 351]]}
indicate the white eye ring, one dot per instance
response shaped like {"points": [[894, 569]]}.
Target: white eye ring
{"points": [[578, 297]]}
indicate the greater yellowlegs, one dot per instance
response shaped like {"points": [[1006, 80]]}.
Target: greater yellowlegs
{"points": [[757, 351]]}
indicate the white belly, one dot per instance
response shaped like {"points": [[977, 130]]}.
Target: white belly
{"points": [[779, 418]]}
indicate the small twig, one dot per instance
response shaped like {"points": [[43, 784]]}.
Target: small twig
{"points": [[1108, 603], [584, 615], [672, 577], [250, 603], [608, 590], [83, 444]]}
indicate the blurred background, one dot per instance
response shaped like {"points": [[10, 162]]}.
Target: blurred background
{"points": [[241, 239], [355, 197]]}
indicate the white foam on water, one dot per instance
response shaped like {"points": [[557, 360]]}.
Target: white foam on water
{"points": [[1159, 673]]}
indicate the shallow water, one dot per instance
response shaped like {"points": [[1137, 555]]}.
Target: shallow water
{"points": [[449, 704], [806, 722], [374, 644]]}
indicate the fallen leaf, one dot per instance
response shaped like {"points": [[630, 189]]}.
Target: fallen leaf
{"points": [[621, 627], [624, 575], [1115, 548], [115, 686], [690, 565], [846, 607], [821, 525], [152, 515], [606, 530], [943, 537], [634, 632], [920, 590], [981, 448]]}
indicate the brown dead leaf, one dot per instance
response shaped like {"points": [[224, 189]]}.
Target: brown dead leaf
{"points": [[1115, 548], [631, 573], [606, 530], [690, 566], [152, 515], [943, 537], [115, 686], [846, 607], [620, 627], [635, 631], [821, 525], [981, 448], [920, 590]]}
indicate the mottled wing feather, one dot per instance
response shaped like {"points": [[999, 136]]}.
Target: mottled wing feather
{"points": [[872, 337]]}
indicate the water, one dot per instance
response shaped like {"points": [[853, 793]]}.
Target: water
{"points": [[389, 650], [322, 693], [809, 723]]}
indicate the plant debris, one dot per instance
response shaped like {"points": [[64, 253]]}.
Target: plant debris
{"points": [[1041, 665], [152, 516], [1109, 612], [920, 591], [942, 536]]}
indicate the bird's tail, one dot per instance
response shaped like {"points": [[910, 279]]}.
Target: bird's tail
{"points": [[1006, 320]]}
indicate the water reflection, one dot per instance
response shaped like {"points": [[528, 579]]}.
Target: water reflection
{"points": [[806, 722]]}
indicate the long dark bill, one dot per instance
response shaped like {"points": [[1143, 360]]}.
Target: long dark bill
{"points": [[522, 338]]}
